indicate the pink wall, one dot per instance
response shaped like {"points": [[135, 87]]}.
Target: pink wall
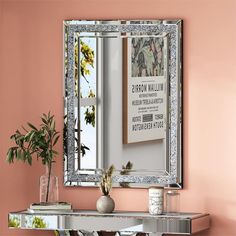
{"points": [[31, 83]]}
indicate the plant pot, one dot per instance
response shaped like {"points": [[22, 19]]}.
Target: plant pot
{"points": [[105, 204], [49, 187]]}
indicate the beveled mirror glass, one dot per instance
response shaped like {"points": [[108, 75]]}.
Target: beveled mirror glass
{"points": [[123, 102]]}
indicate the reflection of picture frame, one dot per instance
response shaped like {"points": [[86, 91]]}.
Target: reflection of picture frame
{"points": [[144, 86], [147, 58]]}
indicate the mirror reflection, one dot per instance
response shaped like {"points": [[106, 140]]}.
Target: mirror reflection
{"points": [[121, 112]]}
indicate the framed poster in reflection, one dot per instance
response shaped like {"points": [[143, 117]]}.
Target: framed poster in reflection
{"points": [[144, 88]]}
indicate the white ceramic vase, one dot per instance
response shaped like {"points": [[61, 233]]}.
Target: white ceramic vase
{"points": [[105, 204]]}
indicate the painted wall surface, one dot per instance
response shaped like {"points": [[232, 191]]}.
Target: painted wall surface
{"points": [[31, 83]]}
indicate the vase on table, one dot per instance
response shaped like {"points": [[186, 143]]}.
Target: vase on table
{"points": [[49, 192], [105, 204]]}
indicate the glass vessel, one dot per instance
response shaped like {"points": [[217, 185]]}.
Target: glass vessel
{"points": [[172, 202], [49, 187]]}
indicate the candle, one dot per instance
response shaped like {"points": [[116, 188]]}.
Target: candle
{"points": [[156, 200]]}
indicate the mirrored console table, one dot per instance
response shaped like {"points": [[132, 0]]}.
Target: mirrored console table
{"points": [[80, 222]]}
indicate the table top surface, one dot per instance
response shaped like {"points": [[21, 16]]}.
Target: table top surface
{"points": [[116, 214]]}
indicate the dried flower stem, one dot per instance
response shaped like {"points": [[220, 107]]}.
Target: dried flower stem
{"points": [[106, 180]]}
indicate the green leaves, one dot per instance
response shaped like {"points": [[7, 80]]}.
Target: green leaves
{"points": [[86, 59], [125, 171], [126, 168], [83, 149], [39, 223], [35, 141], [90, 111], [10, 155], [55, 140], [32, 126], [14, 222], [90, 115], [19, 154]]}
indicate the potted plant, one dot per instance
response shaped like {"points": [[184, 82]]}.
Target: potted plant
{"points": [[105, 204], [39, 142]]}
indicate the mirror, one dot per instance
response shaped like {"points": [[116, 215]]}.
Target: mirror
{"points": [[123, 102]]}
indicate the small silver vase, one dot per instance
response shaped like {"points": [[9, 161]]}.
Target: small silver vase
{"points": [[105, 204]]}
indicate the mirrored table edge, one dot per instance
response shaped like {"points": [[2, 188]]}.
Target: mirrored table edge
{"points": [[119, 221]]}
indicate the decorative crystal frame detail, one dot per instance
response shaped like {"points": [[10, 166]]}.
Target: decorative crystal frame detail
{"points": [[171, 28]]}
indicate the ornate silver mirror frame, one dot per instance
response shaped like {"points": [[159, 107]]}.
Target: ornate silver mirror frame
{"points": [[172, 30]]}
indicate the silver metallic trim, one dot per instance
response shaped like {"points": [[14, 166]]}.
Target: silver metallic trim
{"points": [[172, 29], [100, 105]]}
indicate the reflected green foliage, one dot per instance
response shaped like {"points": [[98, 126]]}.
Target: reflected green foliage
{"points": [[83, 148], [125, 171], [38, 223], [90, 115], [56, 233], [14, 222], [90, 112], [126, 168], [84, 59]]}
